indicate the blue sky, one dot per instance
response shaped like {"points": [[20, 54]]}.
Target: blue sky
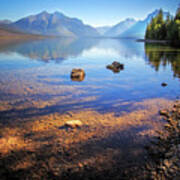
{"points": [[93, 12]]}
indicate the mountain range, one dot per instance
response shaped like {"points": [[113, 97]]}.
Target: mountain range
{"points": [[120, 28], [10, 34], [139, 28], [131, 28], [54, 24], [58, 24], [5, 21], [102, 30]]}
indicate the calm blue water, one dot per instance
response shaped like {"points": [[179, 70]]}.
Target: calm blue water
{"points": [[40, 71]]}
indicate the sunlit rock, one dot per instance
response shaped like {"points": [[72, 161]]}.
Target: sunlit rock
{"points": [[73, 124], [115, 67], [77, 75]]}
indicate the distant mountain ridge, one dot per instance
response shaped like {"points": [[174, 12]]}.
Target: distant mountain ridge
{"points": [[9, 34], [102, 30], [5, 21], [138, 29], [120, 27], [129, 28], [56, 24]]}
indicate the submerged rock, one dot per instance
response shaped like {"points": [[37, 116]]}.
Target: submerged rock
{"points": [[164, 113], [164, 84], [73, 124], [77, 75], [115, 66]]}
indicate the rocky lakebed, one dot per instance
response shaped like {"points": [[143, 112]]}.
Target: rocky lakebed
{"points": [[76, 146]]}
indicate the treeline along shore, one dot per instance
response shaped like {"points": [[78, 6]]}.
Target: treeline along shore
{"points": [[164, 29]]}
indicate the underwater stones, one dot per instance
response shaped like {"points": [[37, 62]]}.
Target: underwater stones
{"points": [[163, 84], [77, 75], [164, 113], [165, 160], [115, 67], [73, 124]]}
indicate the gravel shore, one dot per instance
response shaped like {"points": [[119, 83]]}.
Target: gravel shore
{"points": [[164, 152]]}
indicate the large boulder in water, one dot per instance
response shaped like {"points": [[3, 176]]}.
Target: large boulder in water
{"points": [[77, 75], [115, 66]]}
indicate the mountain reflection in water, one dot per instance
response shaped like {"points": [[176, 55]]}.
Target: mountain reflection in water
{"points": [[51, 49]]}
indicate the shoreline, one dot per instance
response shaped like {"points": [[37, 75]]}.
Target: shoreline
{"points": [[164, 151], [163, 42], [153, 41]]}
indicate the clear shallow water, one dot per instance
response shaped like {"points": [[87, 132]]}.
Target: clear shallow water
{"points": [[37, 97], [39, 72]]}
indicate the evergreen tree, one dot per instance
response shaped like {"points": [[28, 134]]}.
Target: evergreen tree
{"points": [[177, 16], [159, 17], [176, 26], [169, 24], [158, 29]]}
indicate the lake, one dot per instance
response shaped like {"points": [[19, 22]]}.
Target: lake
{"points": [[119, 110]]}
